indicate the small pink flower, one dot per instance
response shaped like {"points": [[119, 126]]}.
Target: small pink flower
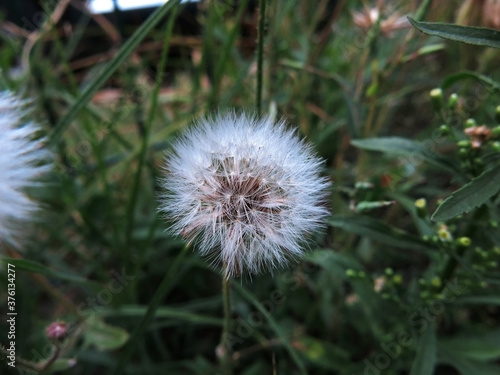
{"points": [[56, 331]]}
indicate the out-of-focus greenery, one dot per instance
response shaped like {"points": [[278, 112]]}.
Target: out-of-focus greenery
{"points": [[385, 290]]}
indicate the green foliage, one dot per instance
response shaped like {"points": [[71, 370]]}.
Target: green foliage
{"points": [[478, 36], [471, 195], [404, 279]]}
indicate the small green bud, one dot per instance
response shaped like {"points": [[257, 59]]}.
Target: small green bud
{"points": [[444, 129], [421, 206], [463, 153], [464, 241], [483, 284], [497, 113], [494, 224], [351, 273], [470, 122], [425, 294], [389, 271], [437, 98], [436, 282], [453, 101], [397, 279], [496, 250], [492, 264], [361, 274], [422, 282], [463, 144], [495, 132], [479, 162], [496, 146]]}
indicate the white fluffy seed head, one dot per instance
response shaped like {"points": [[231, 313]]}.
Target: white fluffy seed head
{"points": [[22, 161], [247, 189]]}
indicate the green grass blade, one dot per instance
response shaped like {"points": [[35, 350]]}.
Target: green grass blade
{"points": [[158, 297], [112, 66]]}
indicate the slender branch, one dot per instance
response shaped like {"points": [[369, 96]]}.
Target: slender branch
{"points": [[260, 55]]}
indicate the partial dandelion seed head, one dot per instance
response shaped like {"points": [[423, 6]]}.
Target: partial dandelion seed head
{"points": [[247, 190], [22, 161]]}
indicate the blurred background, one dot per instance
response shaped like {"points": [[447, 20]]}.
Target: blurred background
{"points": [[383, 290]]}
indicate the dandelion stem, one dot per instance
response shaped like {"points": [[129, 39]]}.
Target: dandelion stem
{"points": [[260, 55], [224, 341]]}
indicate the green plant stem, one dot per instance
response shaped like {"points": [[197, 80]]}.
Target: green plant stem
{"points": [[260, 55], [224, 340], [452, 262]]}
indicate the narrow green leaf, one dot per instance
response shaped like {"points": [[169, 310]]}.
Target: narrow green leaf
{"points": [[458, 77], [274, 325], [61, 364], [103, 336], [332, 261], [471, 195], [466, 366], [425, 360], [478, 36], [366, 206], [161, 292], [162, 312], [324, 354], [479, 345], [35, 267], [376, 230], [405, 147], [480, 300], [101, 78], [423, 9]]}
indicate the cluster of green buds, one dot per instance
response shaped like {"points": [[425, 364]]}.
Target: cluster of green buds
{"points": [[444, 238], [485, 260], [472, 139], [431, 289]]}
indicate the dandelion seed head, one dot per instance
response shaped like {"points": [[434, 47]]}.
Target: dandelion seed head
{"points": [[21, 164], [247, 190]]}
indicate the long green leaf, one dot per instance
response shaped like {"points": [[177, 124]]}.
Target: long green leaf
{"points": [[404, 147], [473, 194], [274, 325], [35, 267], [466, 366], [454, 78], [425, 360], [376, 230], [476, 345], [161, 312], [478, 36], [480, 300], [101, 78], [103, 336]]}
